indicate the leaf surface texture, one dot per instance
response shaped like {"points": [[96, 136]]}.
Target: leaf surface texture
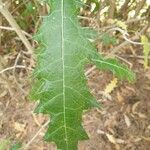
{"points": [[60, 84]]}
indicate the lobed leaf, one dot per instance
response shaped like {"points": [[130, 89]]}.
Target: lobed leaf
{"points": [[60, 84]]}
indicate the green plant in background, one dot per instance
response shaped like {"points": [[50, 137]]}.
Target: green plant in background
{"points": [[27, 15], [60, 83], [4, 143], [146, 50], [108, 40], [16, 146]]}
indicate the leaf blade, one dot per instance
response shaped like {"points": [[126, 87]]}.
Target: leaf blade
{"points": [[60, 83], [119, 70]]}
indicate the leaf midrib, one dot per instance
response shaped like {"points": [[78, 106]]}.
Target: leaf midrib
{"points": [[63, 67]]}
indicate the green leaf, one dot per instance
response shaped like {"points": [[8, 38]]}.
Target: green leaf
{"points": [[60, 84], [108, 40], [89, 33], [146, 51], [16, 146], [4, 144], [120, 70]]}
